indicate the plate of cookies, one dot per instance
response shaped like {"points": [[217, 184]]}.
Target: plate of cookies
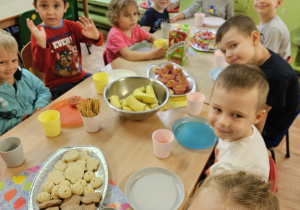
{"points": [[72, 176], [174, 76]]}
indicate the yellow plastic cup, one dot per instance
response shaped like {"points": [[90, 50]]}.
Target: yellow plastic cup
{"points": [[50, 121], [100, 81], [160, 43]]}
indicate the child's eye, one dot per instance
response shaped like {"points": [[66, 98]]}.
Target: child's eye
{"points": [[233, 45], [217, 109], [44, 5], [237, 116], [15, 60], [56, 5], [223, 51], [1, 62]]}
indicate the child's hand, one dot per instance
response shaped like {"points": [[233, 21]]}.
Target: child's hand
{"points": [[89, 29], [173, 19], [36, 110], [39, 35], [159, 52]]}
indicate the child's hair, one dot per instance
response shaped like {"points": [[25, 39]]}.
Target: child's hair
{"points": [[65, 2], [239, 189], [7, 42], [242, 23], [116, 7], [244, 77]]}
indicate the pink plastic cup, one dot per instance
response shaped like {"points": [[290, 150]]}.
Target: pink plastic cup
{"points": [[199, 19], [220, 59], [162, 142], [195, 102]]}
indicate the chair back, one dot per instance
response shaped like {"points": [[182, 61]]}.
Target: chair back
{"points": [[104, 58], [72, 12], [273, 176]]}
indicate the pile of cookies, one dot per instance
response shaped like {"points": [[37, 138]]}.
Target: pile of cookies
{"points": [[72, 184]]}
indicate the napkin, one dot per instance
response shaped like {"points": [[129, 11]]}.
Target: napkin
{"points": [[175, 102]]}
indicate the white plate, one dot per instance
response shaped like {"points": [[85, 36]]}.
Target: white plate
{"points": [[119, 73], [214, 73], [141, 47], [154, 188], [214, 22]]}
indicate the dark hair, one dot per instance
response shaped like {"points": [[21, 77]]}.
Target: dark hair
{"points": [[242, 23], [245, 77], [65, 1]]}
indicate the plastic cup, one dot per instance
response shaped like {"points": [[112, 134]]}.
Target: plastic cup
{"points": [[50, 121], [220, 59], [11, 151], [100, 81], [165, 29], [199, 19], [91, 124], [160, 43], [162, 142], [195, 102]]}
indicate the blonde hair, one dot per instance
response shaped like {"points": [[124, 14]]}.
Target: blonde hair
{"points": [[116, 7], [7, 42], [239, 189], [245, 77]]}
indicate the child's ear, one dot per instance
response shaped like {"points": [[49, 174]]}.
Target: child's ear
{"points": [[259, 116], [255, 36], [66, 7], [279, 2], [34, 6]]}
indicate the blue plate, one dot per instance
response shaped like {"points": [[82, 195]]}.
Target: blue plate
{"points": [[194, 132], [214, 73]]}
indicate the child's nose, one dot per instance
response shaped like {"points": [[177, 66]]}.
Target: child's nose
{"points": [[224, 121]]}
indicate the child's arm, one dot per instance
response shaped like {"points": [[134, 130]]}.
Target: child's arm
{"points": [[39, 35], [146, 28], [139, 56], [7, 124], [177, 17]]}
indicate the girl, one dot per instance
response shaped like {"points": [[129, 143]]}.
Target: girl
{"points": [[123, 14]]}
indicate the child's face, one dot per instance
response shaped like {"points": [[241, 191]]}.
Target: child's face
{"points": [[128, 18], [238, 47], [51, 11], [162, 4], [266, 7], [8, 64], [231, 113]]}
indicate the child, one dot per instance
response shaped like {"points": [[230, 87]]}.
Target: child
{"points": [[274, 33], [239, 40], [237, 103], [21, 93], [155, 16], [234, 190], [211, 8], [123, 14], [56, 45]]}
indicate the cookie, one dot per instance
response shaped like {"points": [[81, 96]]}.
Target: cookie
{"points": [[88, 176], [43, 197], [50, 203], [56, 177], [83, 155], [88, 190], [72, 207], [60, 166], [54, 193], [71, 155], [96, 182], [92, 164], [65, 182], [82, 182], [52, 208], [74, 173], [91, 206], [77, 189], [91, 198], [64, 192], [47, 186], [73, 200], [81, 163]]}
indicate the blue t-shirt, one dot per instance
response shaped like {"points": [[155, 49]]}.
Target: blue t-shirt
{"points": [[153, 19]]}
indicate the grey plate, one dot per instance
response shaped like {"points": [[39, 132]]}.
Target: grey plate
{"points": [[141, 47], [200, 48], [48, 166], [189, 78], [154, 188]]}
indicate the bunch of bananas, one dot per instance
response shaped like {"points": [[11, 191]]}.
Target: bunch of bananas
{"points": [[142, 99]]}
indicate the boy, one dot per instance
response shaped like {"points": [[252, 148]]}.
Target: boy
{"points": [[21, 93], [237, 103], [274, 33], [239, 40], [155, 16], [211, 8], [56, 45]]}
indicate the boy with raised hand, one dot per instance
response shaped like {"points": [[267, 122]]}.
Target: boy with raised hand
{"points": [[56, 45], [274, 33], [237, 103], [239, 40]]}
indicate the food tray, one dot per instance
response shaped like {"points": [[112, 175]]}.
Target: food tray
{"points": [[198, 47], [48, 166], [189, 78]]}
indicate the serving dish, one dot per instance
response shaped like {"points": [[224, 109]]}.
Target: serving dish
{"points": [[48, 166], [204, 40], [141, 47], [119, 73], [189, 78], [154, 188]]}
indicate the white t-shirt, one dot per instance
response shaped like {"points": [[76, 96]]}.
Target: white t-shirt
{"points": [[276, 37], [247, 154]]}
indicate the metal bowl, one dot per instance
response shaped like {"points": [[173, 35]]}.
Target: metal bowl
{"points": [[125, 86]]}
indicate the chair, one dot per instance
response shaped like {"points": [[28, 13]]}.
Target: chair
{"points": [[104, 58], [273, 176], [271, 143]]}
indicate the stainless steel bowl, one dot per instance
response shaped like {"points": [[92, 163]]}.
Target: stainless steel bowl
{"points": [[125, 86]]}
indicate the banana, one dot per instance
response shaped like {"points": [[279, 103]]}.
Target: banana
{"points": [[135, 104], [143, 97], [147, 108], [152, 106], [123, 102], [114, 100], [150, 91], [127, 108], [143, 89]]}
